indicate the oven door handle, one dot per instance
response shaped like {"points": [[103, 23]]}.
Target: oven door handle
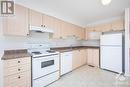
{"points": [[47, 63], [45, 56]]}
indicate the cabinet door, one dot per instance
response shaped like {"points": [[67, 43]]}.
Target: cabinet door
{"points": [[83, 57], [89, 30], [48, 21], [99, 28], [90, 56], [107, 27], [57, 28], [18, 80], [81, 33], [117, 25], [79, 58], [17, 24], [65, 31], [75, 59], [93, 57], [35, 18], [77, 32], [74, 31], [96, 57]]}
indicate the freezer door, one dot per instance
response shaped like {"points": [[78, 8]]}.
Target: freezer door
{"points": [[111, 39], [111, 58]]}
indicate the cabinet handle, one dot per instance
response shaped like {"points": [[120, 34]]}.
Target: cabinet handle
{"points": [[19, 69], [19, 77], [27, 34], [18, 61]]}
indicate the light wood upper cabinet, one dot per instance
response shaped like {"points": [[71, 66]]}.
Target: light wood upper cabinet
{"points": [[24, 18], [57, 28], [48, 21], [98, 28], [86, 34], [103, 27], [92, 34], [17, 24], [117, 25], [68, 29], [111, 26], [54, 24], [93, 57], [35, 18], [81, 33], [65, 30], [88, 31], [73, 29], [106, 27]]}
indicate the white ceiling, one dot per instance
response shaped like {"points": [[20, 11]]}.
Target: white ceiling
{"points": [[80, 12]]}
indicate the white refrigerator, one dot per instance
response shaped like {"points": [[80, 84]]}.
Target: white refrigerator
{"points": [[111, 52]]}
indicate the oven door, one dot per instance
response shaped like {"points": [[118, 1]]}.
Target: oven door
{"points": [[42, 66]]}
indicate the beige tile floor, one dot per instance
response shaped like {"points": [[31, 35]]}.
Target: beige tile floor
{"points": [[90, 77]]}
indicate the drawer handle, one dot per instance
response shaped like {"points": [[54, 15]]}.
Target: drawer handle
{"points": [[19, 69], [19, 77], [18, 61]]}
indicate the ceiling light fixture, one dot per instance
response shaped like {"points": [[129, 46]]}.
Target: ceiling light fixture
{"points": [[106, 2]]}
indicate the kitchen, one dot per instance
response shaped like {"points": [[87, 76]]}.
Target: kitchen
{"points": [[60, 46]]}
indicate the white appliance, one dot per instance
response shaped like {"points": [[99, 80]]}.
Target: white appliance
{"points": [[45, 65], [111, 52], [41, 29], [66, 63]]}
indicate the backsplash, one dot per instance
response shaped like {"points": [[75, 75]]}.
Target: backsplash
{"points": [[12, 42], [91, 43]]}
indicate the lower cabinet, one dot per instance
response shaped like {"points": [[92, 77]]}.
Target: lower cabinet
{"points": [[66, 63], [93, 57], [18, 80], [79, 58], [17, 72], [83, 56]]}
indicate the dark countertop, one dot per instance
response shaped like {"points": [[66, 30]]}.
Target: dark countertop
{"points": [[14, 54], [67, 49]]}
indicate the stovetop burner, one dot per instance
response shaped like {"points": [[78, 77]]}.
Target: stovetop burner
{"points": [[51, 51], [41, 53], [37, 52]]}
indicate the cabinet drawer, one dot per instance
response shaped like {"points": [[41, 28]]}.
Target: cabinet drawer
{"points": [[17, 69], [16, 62], [18, 80]]}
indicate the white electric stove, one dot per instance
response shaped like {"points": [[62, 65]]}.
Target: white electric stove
{"points": [[45, 65]]}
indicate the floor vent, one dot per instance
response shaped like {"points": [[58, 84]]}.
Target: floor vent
{"points": [[91, 65]]}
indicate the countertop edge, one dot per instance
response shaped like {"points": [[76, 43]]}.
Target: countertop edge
{"points": [[68, 49]]}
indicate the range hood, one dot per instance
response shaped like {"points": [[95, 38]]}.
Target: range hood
{"points": [[41, 29]]}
